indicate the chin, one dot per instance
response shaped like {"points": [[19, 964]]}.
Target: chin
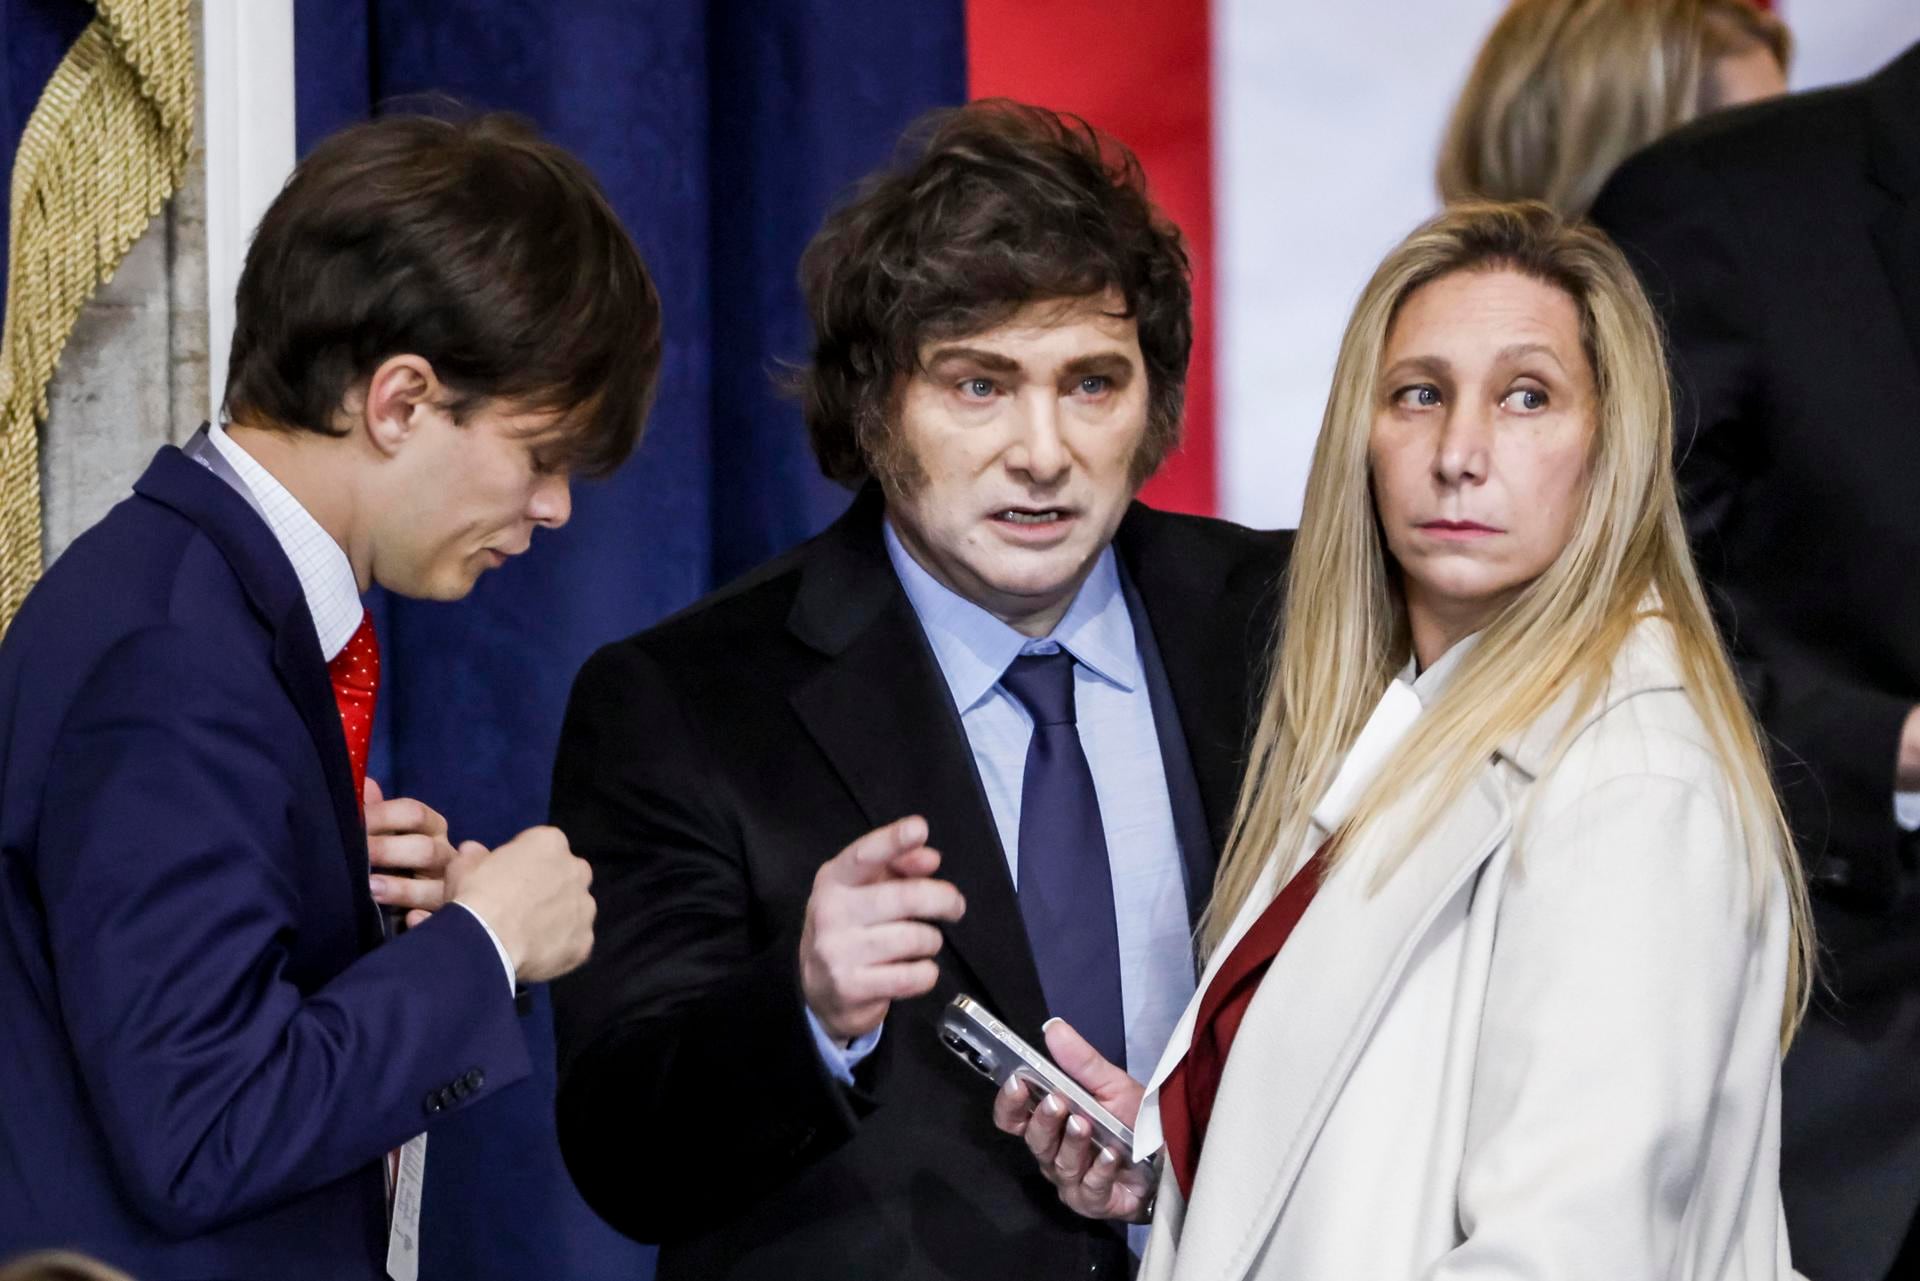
{"points": [[1039, 578]]}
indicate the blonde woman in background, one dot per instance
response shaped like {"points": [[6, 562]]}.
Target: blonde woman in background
{"points": [[1564, 90], [1509, 935]]}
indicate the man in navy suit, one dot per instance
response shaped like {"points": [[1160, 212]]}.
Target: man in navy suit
{"points": [[212, 1040]]}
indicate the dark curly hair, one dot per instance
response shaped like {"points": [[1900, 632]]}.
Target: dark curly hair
{"points": [[988, 208]]}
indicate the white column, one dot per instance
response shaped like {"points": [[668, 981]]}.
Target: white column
{"points": [[248, 109]]}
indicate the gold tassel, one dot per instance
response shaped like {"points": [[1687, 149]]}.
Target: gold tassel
{"points": [[102, 153]]}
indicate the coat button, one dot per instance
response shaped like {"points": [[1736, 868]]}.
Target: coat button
{"points": [[434, 1103], [474, 1079]]}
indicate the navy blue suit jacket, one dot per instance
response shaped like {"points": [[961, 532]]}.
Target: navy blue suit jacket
{"points": [[207, 1045]]}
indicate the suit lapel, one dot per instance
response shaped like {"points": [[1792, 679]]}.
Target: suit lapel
{"points": [[881, 713], [1309, 1021], [296, 657], [1207, 665], [1198, 856], [233, 526]]}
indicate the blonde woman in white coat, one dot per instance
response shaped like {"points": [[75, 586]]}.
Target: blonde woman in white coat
{"points": [[1509, 935]]}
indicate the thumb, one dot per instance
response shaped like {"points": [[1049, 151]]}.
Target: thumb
{"points": [[1106, 1081], [370, 793]]}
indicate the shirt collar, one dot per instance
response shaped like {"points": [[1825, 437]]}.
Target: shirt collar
{"points": [[1429, 684], [974, 648], [325, 573]]}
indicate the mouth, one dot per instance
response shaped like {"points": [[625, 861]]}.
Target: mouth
{"points": [[1033, 515], [1458, 528], [1034, 525]]}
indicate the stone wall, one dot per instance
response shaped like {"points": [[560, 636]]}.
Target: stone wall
{"points": [[134, 375]]}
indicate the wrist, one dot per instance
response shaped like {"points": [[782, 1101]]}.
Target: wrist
{"points": [[498, 926]]}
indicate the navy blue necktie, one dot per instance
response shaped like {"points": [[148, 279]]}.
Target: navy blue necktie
{"points": [[1066, 886]]}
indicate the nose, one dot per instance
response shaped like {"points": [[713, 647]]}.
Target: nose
{"points": [[1040, 450], [1461, 455], [552, 502]]}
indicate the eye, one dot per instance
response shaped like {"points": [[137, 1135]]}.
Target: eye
{"points": [[1525, 400], [1419, 396], [977, 388], [1094, 385]]}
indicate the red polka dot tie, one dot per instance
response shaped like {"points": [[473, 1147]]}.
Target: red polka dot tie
{"points": [[356, 684]]}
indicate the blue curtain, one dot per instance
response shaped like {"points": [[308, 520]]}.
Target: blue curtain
{"points": [[721, 130]]}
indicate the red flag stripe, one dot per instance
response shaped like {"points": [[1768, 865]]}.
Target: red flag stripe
{"points": [[1141, 70]]}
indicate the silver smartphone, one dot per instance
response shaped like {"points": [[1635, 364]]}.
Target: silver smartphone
{"points": [[992, 1049]]}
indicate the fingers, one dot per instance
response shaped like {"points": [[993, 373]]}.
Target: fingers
{"points": [[1046, 1127], [1013, 1106], [889, 982], [425, 893], [865, 861], [904, 901], [400, 815], [895, 941], [418, 918], [916, 863], [1075, 1153], [413, 852], [1096, 1185]]}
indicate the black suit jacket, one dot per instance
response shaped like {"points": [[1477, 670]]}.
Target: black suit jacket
{"points": [[1782, 246], [708, 767]]}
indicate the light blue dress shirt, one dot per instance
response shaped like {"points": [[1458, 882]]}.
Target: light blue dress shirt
{"points": [[1115, 716]]}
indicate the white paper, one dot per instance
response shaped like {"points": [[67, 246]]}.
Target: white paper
{"points": [[403, 1233]]}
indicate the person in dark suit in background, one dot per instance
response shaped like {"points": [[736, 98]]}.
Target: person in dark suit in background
{"points": [[210, 1049], [982, 735], [1782, 244]]}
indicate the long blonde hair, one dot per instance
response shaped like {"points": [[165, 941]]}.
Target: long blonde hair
{"points": [[1564, 90], [1345, 634]]}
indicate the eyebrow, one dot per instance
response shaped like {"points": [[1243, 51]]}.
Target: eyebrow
{"points": [[1099, 362], [1506, 355], [1514, 351], [992, 360]]}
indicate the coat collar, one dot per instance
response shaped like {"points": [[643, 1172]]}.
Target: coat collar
{"points": [[268, 580], [1648, 661]]}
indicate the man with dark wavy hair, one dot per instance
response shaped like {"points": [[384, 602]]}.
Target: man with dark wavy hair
{"points": [[982, 735]]}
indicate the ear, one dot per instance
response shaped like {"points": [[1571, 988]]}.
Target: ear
{"points": [[398, 393]]}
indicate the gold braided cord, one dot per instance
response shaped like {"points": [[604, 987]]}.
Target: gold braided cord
{"points": [[103, 151]]}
